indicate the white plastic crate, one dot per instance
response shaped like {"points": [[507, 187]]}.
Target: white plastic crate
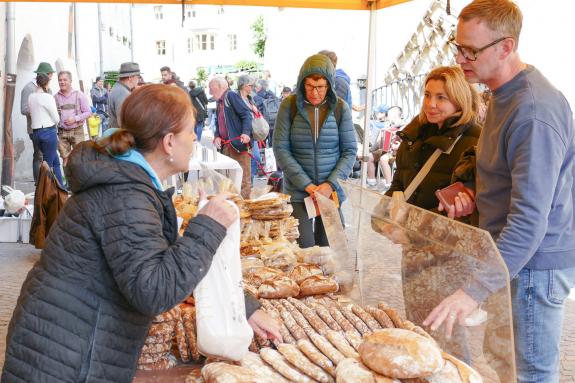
{"points": [[9, 229], [25, 223]]}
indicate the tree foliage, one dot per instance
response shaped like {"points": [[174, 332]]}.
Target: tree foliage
{"points": [[201, 75], [246, 66], [259, 44]]}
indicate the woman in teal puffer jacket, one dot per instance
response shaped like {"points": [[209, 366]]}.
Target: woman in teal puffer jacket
{"points": [[314, 143]]}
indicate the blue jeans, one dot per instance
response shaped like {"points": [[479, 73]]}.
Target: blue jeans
{"points": [[199, 128], [257, 158], [538, 300], [47, 141]]}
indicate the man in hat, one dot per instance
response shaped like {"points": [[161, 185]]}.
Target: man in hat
{"points": [[30, 88], [128, 79]]}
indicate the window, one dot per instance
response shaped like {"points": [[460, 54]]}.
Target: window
{"points": [[189, 45], [111, 31], [161, 47], [158, 12], [233, 42], [203, 42], [190, 12], [220, 11]]}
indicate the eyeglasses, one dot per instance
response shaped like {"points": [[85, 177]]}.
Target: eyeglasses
{"points": [[470, 54], [318, 88]]}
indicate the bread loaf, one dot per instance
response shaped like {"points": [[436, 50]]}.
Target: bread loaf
{"points": [[351, 371], [279, 363], [454, 371], [286, 335], [296, 331], [167, 362], [303, 271], [339, 342], [316, 356], [380, 316], [324, 314], [318, 284], [326, 348], [314, 320], [279, 287], [303, 364], [264, 274], [401, 354], [255, 363], [220, 372], [353, 339]]}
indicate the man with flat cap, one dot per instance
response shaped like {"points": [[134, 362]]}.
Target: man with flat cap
{"points": [[30, 88], [128, 79]]}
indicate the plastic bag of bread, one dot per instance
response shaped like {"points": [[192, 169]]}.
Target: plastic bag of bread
{"points": [[278, 254], [222, 328], [323, 256], [212, 182], [318, 284], [401, 354], [250, 265]]}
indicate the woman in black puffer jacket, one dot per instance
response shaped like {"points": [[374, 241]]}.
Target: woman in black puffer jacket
{"points": [[113, 260]]}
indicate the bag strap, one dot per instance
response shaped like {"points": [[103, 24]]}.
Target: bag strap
{"points": [[425, 170]]}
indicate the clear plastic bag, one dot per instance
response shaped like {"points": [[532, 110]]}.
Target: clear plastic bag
{"points": [[223, 330]]}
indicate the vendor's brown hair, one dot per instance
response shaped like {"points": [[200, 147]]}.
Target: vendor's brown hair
{"points": [[501, 16], [459, 92], [146, 117]]}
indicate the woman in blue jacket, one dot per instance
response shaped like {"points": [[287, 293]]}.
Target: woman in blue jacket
{"points": [[314, 143]]}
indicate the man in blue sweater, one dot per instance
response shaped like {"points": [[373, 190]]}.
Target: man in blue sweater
{"points": [[525, 186]]}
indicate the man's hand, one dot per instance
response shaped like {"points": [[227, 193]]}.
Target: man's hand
{"points": [[265, 326], [70, 121], [310, 189], [218, 142], [463, 205], [324, 189], [455, 307], [245, 139], [220, 210]]}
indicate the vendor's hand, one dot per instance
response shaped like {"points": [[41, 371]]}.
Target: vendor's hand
{"points": [[310, 189], [218, 142], [455, 307], [324, 189], [220, 210], [70, 121], [265, 326], [463, 205], [245, 139]]}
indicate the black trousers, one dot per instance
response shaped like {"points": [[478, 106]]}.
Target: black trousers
{"points": [[311, 231], [37, 159]]}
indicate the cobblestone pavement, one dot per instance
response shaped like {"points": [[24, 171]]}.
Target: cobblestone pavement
{"points": [[17, 259]]}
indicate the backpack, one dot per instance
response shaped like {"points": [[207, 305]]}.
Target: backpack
{"points": [[271, 108], [201, 112]]}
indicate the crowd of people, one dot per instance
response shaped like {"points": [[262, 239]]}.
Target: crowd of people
{"points": [[107, 256]]}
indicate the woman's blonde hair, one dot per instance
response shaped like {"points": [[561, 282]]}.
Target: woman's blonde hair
{"points": [[459, 92]]}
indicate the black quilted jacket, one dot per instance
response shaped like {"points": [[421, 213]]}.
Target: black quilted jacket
{"points": [[112, 261]]}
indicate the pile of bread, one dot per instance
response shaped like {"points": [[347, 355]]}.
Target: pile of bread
{"points": [[266, 220], [171, 337], [326, 341], [302, 280]]}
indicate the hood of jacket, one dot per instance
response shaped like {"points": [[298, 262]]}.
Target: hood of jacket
{"points": [[196, 91], [341, 73], [88, 168], [317, 64]]}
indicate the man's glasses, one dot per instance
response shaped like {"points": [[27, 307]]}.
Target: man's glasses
{"points": [[470, 54], [318, 88]]}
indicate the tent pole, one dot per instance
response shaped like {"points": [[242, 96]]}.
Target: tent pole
{"points": [[369, 90]]}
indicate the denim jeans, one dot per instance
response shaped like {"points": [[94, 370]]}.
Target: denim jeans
{"points": [[257, 158], [47, 141], [538, 300], [199, 129]]}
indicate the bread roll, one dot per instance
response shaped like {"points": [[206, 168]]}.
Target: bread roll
{"points": [[279, 287], [220, 372], [401, 354], [302, 271], [318, 284]]}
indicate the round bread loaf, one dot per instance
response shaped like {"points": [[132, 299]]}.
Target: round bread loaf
{"points": [[279, 287], [264, 274], [302, 271], [318, 284], [455, 371], [402, 354]]}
